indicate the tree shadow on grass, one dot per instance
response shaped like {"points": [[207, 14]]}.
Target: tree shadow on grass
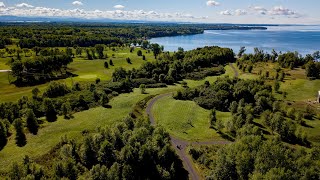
{"points": [[226, 136]]}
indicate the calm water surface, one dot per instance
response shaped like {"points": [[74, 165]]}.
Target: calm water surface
{"points": [[304, 39]]}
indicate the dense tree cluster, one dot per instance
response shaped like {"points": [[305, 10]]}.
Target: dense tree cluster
{"points": [[286, 60], [194, 64], [132, 149], [88, 35], [224, 91], [251, 157], [39, 68]]}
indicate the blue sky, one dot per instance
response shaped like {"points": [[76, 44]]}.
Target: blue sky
{"points": [[213, 11]]}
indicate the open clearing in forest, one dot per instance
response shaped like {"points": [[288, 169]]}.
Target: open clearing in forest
{"points": [[185, 119], [87, 70]]}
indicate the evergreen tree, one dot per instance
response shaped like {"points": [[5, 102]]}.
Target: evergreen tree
{"points": [[3, 135], [104, 100], [142, 88], [139, 53], [32, 122], [111, 62], [50, 111], [213, 118], [106, 65], [20, 138], [66, 110]]}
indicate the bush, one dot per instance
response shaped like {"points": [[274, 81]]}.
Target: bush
{"points": [[56, 89], [139, 53], [137, 82]]}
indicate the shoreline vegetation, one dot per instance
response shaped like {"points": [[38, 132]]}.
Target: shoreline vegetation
{"points": [[86, 113]]}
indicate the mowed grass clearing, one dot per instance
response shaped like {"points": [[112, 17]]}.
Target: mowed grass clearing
{"points": [[87, 70], [185, 119], [50, 133]]}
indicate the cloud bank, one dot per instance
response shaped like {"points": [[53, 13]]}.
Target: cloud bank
{"points": [[24, 9]]}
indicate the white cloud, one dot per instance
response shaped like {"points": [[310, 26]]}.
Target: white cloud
{"points": [[94, 14], [240, 12], [282, 11], [212, 3], [2, 5], [118, 6], [226, 13], [24, 5], [77, 3]]}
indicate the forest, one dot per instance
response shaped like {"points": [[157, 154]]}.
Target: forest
{"points": [[84, 98]]}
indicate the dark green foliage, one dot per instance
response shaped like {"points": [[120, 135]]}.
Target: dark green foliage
{"points": [[313, 69], [250, 68], [119, 74], [139, 53], [251, 157], [56, 89], [106, 65], [32, 122], [142, 88], [35, 93], [111, 62], [50, 111], [98, 80], [20, 138], [99, 49], [213, 118], [224, 91], [203, 73], [66, 110], [89, 56], [131, 149], [241, 51], [128, 60], [3, 135], [104, 100], [156, 49], [40, 68]]}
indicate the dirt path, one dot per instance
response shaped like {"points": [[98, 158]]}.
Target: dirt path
{"points": [[236, 73], [181, 145], [1, 71], [178, 144]]}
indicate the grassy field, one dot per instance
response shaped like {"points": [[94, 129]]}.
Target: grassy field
{"points": [[185, 119], [192, 83], [50, 134], [87, 70]]}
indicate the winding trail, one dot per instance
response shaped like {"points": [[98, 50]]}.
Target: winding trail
{"points": [[181, 145], [236, 73], [1, 71]]}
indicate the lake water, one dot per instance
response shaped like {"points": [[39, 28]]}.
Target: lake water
{"points": [[304, 39]]}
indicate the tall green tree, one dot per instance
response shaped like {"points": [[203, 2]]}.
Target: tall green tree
{"points": [[50, 111], [32, 122], [99, 49], [66, 110], [213, 118], [20, 138], [312, 70], [156, 49]]}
